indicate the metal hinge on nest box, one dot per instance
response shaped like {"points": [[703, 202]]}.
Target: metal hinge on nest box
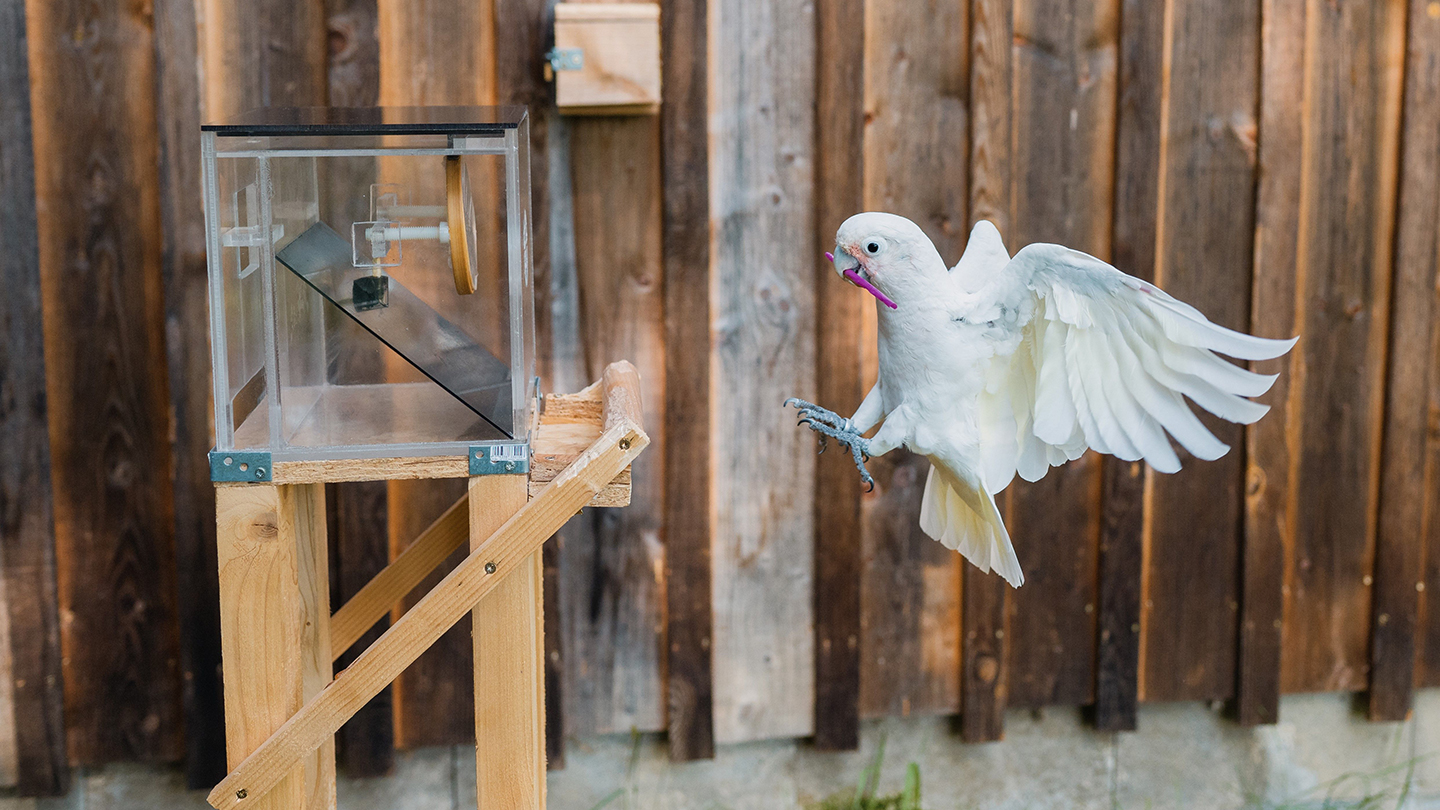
{"points": [[500, 459], [558, 59], [240, 466]]}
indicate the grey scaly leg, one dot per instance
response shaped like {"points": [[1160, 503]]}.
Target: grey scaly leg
{"points": [[828, 423]]}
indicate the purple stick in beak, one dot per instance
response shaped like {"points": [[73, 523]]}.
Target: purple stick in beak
{"points": [[859, 281]]}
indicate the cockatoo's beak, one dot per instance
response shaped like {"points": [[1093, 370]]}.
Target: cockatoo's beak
{"points": [[849, 269]]}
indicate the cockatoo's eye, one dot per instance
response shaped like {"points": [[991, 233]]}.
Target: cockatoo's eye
{"points": [[873, 247]]}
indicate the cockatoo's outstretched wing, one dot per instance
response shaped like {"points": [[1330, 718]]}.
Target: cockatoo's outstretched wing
{"points": [[1103, 361]]}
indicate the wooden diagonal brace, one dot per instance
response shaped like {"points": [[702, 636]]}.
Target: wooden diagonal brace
{"points": [[563, 434], [622, 440]]}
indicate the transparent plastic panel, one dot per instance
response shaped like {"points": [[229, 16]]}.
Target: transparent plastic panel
{"points": [[236, 234], [300, 318], [371, 291], [433, 345]]}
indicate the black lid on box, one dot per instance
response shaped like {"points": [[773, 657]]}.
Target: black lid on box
{"points": [[370, 121]]}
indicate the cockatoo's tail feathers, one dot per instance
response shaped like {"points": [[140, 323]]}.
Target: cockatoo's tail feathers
{"points": [[969, 523]]}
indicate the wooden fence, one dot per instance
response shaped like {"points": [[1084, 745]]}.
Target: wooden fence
{"points": [[1275, 163]]}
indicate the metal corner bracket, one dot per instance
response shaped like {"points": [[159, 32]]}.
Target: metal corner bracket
{"points": [[510, 458], [240, 466]]}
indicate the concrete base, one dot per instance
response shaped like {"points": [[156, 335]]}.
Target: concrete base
{"points": [[1322, 755]]}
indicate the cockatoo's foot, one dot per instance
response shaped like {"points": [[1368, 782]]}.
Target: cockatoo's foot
{"points": [[828, 423]]}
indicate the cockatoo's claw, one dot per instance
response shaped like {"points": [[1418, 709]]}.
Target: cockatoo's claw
{"points": [[828, 423]]}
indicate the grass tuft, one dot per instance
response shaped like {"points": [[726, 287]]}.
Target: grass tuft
{"points": [[863, 796]]}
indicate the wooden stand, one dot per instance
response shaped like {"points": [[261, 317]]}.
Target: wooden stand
{"points": [[278, 641]]}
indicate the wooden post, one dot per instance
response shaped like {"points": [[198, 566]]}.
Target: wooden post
{"points": [[509, 662], [274, 626]]}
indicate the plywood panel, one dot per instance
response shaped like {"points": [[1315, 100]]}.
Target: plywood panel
{"points": [[93, 82], [763, 314]]}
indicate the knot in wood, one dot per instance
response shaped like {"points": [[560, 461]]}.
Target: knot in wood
{"points": [[987, 669]]}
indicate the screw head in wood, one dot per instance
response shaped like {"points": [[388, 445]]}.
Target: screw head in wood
{"points": [[241, 793], [624, 444], [489, 567]]}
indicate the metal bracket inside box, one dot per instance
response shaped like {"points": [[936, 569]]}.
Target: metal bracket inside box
{"points": [[511, 458], [240, 466]]}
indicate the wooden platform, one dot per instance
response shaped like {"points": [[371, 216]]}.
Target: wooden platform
{"points": [[567, 425]]}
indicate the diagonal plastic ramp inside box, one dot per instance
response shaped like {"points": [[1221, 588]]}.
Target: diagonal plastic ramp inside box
{"points": [[434, 345]]}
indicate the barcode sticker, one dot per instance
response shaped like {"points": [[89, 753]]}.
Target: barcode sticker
{"points": [[507, 452]]}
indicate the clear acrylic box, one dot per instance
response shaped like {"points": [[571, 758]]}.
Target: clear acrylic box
{"points": [[371, 287]]}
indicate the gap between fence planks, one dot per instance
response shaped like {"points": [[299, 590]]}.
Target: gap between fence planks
{"points": [[567, 417], [520, 536]]}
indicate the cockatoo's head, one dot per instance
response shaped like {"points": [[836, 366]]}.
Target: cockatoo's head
{"points": [[887, 255]]}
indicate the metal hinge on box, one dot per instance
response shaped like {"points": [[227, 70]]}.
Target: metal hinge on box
{"points": [[240, 466], [500, 459], [558, 59]]}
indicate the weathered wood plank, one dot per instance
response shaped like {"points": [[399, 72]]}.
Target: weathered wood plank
{"points": [[520, 80], [762, 165], [182, 257], [1406, 492], [685, 139], [1270, 443], [1428, 619], [839, 150], [1350, 145], [614, 562], [270, 53], [92, 74], [915, 165], [1205, 245], [1117, 645], [1137, 156], [984, 656], [35, 723], [1065, 85], [434, 54]]}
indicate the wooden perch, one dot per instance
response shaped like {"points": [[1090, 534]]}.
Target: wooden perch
{"points": [[522, 535], [570, 424]]}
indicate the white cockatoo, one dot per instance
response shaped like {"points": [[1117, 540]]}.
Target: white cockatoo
{"points": [[1004, 365]]}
